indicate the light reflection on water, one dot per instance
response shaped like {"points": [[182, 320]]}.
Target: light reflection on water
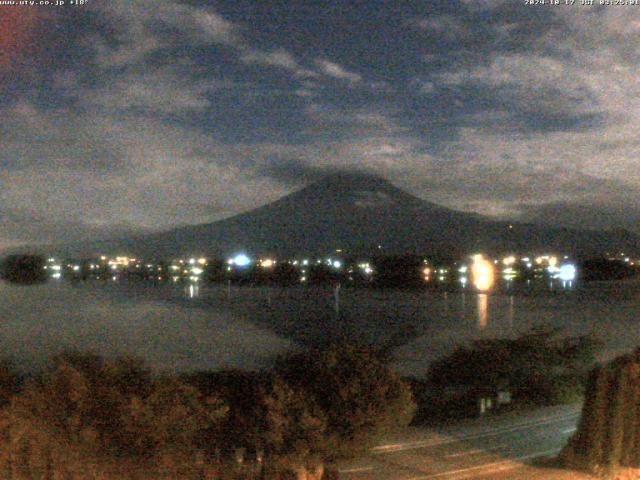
{"points": [[183, 327], [192, 290], [38, 321], [483, 311]]}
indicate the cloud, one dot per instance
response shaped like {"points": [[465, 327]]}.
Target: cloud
{"points": [[279, 58], [480, 5], [138, 29], [449, 26], [177, 112], [336, 71], [164, 90]]}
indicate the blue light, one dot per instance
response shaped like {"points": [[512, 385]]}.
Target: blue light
{"points": [[241, 260], [567, 272]]}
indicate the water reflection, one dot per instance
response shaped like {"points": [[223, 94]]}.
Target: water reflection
{"points": [[196, 326], [192, 290], [483, 311], [119, 319], [446, 303], [510, 311]]}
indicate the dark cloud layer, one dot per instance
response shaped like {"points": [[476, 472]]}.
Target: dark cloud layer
{"points": [[144, 114]]}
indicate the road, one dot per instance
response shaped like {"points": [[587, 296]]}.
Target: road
{"points": [[490, 447]]}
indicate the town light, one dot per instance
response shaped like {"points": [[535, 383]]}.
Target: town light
{"points": [[567, 272], [510, 260], [241, 260], [482, 273]]}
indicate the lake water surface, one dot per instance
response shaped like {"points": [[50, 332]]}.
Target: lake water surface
{"points": [[184, 327]]}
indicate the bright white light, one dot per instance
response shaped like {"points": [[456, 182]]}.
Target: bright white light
{"points": [[56, 268], [76, 268], [241, 260], [463, 269], [337, 264], [197, 271], [267, 263], [305, 262], [57, 275], [202, 261], [567, 272], [192, 261]]}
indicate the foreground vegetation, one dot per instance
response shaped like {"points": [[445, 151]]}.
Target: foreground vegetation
{"points": [[86, 417], [541, 367]]}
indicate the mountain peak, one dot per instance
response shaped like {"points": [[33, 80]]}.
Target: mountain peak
{"points": [[354, 181]]}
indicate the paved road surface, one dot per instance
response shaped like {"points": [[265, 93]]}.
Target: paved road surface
{"points": [[490, 447]]}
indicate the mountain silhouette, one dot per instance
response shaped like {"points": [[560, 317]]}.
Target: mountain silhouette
{"points": [[361, 214]]}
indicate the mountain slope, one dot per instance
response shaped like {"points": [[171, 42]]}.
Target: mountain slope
{"points": [[358, 213]]}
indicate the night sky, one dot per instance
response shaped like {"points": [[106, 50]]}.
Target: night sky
{"points": [[134, 115]]}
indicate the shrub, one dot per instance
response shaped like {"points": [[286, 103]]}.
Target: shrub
{"points": [[536, 367], [84, 412], [359, 396]]}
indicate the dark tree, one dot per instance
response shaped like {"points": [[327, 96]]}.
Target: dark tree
{"points": [[360, 397], [608, 435], [25, 269]]}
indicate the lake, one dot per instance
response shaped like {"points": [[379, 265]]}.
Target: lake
{"points": [[186, 327]]}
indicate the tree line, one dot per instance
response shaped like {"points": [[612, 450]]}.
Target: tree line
{"points": [[89, 417]]}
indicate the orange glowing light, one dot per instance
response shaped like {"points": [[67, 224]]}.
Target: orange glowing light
{"points": [[482, 273]]}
